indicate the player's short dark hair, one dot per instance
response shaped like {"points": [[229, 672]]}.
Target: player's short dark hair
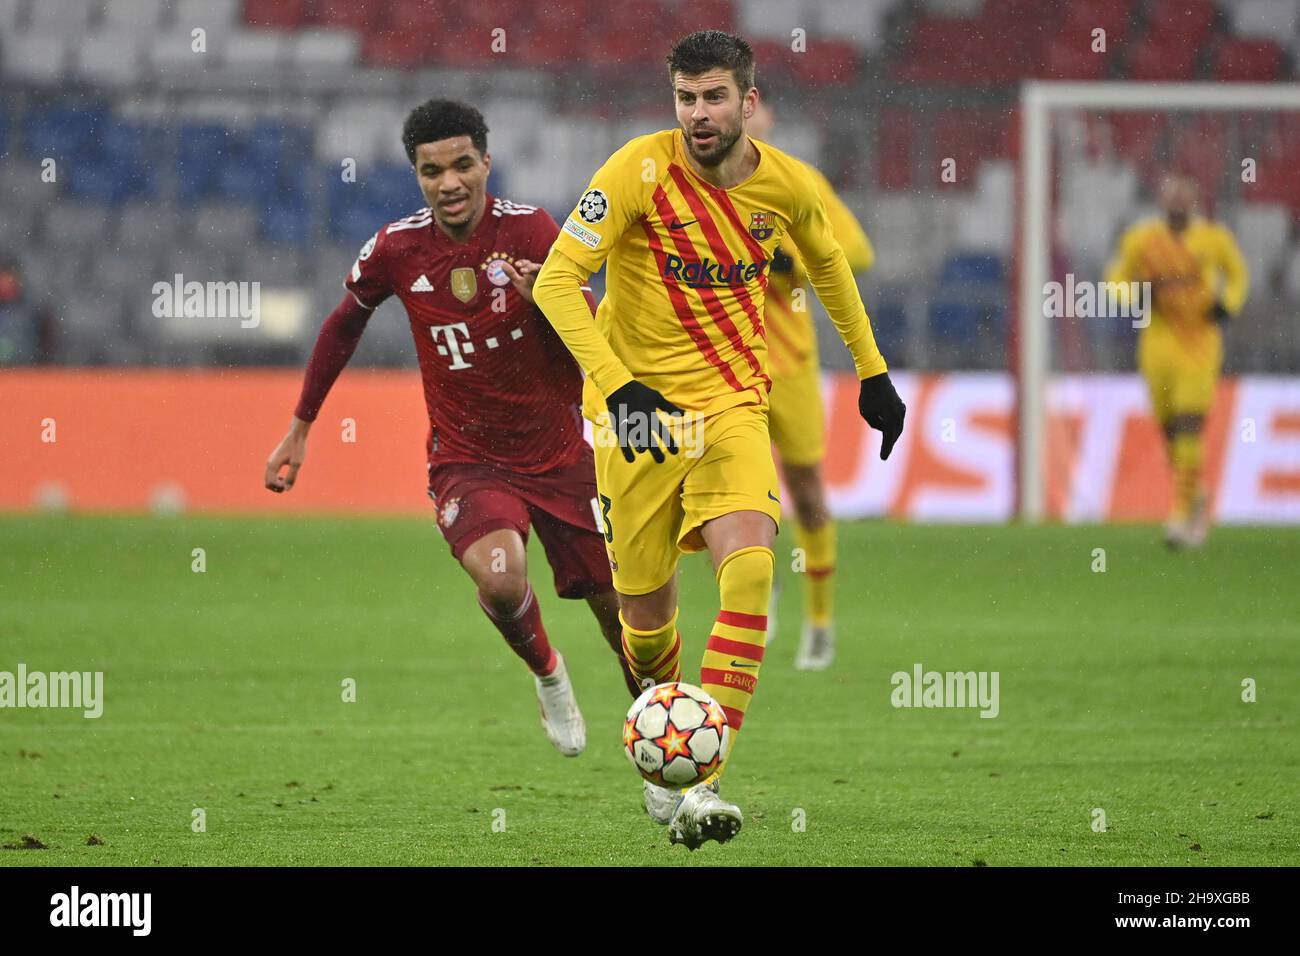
{"points": [[442, 119], [707, 50]]}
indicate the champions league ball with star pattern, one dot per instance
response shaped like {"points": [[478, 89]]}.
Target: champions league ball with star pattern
{"points": [[676, 735]]}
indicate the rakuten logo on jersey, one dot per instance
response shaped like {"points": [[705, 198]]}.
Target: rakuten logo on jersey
{"points": [[712, 275]]}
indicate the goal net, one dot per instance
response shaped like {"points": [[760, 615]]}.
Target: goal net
{"points": [[1092, 157]]}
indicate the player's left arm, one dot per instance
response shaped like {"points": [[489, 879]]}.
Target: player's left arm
{"points": [[832, 278], [1236, 280]]}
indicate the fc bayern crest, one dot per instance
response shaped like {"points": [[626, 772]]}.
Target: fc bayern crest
{"points": [[449, 513], [593, 207], [495, 269], [760, 225]]}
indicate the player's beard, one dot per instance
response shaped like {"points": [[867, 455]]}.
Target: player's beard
{"points": [[720, 149]]}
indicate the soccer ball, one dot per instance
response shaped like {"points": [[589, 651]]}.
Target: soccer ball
{"points": [[676, 735]]}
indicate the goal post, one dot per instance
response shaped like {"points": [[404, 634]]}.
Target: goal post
{"points": [[1038, 101]]}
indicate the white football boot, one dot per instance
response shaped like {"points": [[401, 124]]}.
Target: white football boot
{"points": [[1198, 522], [701, 816], [816, 647], [561, 718], [660, 802]]}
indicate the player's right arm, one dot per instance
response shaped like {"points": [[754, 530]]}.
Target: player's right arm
{"points": [[367, 286], [615, 201]]}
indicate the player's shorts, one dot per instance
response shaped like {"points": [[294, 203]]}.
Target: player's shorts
{"points": [[796, 417], [653, 512], [1180, 373], [475, 499]]}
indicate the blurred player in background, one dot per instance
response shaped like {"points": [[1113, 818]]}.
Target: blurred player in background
{"points": [[1198, 282], [505, 445], [689, 220], [796, 417]]}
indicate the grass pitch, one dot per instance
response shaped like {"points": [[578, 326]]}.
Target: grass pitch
{"points": [[1120, 691]]}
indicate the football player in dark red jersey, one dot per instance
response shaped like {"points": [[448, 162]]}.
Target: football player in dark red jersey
{"points": [[505, 448]]}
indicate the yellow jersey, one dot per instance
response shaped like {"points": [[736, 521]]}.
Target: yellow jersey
{"points": [[791, 337], [1189, 272], [687, 275]]}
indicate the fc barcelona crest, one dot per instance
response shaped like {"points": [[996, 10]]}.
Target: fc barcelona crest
{"points": [[464, 284], [760, 225]]}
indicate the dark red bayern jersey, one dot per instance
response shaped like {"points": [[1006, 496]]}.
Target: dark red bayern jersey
{"points": [[499, 384]]}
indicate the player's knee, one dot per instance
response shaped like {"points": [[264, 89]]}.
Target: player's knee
{"points": [[504, 593]]}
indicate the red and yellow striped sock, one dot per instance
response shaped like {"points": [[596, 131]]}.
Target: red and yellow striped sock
{"points": [[818, 581], [734, 653], [653, 655]]}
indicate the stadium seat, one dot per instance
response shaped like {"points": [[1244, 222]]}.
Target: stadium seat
{"points": [[1247, 61], [827, 63], [1162, 56], [281, 14], [860, 22], [138, 17], [37, 58], [212, 15], [1191, 21], [75, 225], [773, 19], [1265, 19], [10, 13], [972, 267], [256, 49], [173, 53], [895, 130], [320, 47], [109, 59], [1067, 57], [347, 14], [224, 224], [68, 17]]}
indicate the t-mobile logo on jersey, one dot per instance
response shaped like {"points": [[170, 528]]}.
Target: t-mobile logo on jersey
{"points": [[450, 342]]}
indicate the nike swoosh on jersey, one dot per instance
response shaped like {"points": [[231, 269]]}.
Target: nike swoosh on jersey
{"points": [[774, 497], [681, 225], [736, 663]]}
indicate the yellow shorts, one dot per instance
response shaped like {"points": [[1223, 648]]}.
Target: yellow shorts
{"points": [[653, 512], [1180, 373], [798, 422]]}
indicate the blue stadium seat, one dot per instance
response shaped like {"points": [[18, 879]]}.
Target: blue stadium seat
{"points": [[285, 219], [203, 150], [972, 267]]}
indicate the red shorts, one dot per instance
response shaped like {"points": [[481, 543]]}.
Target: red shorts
{"points": [[474, 499]]}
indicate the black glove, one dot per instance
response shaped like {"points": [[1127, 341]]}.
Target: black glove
{"points": [[781, 262], [632, 417], [882, 409], [1220, 313]]}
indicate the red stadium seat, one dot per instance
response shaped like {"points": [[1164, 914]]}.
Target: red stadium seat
{"points": [[1247, 61], [1162, 57], [347, 14], [1069, 56], [895, 131], [284, 14], [401, 50], [1190, 20], [826, 63]]}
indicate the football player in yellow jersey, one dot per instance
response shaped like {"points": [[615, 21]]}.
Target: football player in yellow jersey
{"points": [[689, 219], [797, 419], [1198, 282]]}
